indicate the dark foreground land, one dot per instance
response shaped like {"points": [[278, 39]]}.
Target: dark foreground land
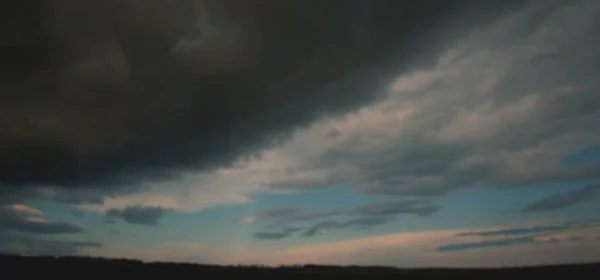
{"points": [[86, 268]]}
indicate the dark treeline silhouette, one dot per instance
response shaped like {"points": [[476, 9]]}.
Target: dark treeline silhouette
{"points": [[85, 267]]}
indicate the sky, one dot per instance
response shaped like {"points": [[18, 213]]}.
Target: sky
{"points": [[429, 134]]}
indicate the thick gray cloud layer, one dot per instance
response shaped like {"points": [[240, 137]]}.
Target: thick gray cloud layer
{"points": [[562, 200], [499, 109], [141, 215], [100, 94]]}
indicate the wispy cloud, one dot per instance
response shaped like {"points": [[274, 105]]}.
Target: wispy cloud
{"points": [[22, 228], [448, 248], [25, 219], [290, 215], [520, 235], [30, 246], [563, 200], [394, 207], [383, 208], [362, 217], [517, 231], [535, 229], [141, 215], [506, 242], [283, 233], [486, 243], [356, 223], [405, 249]]}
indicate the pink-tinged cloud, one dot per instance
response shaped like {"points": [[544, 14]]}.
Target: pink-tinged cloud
{"points": [[481, 247], [25, 210], [420, 249]]}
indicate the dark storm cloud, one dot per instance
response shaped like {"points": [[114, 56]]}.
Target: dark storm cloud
{"points": [[562, 200], [15, 219], [96, 96], [141, 215], [460, 126]]}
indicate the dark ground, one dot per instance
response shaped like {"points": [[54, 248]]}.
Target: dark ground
{"points": [[84, 267]]}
